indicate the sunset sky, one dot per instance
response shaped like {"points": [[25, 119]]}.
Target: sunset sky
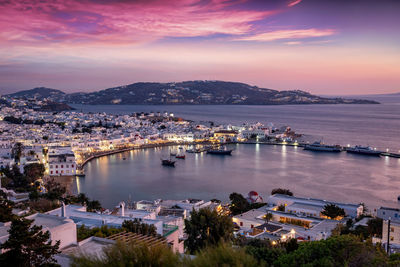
{"points": [[320, 46]]}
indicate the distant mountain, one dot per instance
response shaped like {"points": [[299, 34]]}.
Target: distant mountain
{"points": [[190, 93], [39, 93]]}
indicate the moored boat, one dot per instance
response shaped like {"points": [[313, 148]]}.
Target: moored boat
{"points": [[364, 150], [318, 146], [168, 162], [220, 151]]}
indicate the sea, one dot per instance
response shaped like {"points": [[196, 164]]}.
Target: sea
{"points": [[342, 177]]}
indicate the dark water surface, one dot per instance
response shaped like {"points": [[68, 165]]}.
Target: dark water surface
{"points": [[340, 177]]}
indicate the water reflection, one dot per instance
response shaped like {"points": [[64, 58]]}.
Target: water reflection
{"points": [[340, 176]]}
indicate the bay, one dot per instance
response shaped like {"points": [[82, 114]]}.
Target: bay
{"points": [[337, 177]]}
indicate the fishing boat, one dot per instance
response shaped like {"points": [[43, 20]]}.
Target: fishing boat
{"points": [[168, 162]]}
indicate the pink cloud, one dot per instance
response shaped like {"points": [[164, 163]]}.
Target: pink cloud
{"points": [[122, 21], [293, 3], [288, 34]]}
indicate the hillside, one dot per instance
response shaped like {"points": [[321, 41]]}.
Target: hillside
{"points": [[189, 92], [39, 93]]}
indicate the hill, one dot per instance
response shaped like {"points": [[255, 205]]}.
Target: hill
{"points": [[191, 93], [39, 93]]}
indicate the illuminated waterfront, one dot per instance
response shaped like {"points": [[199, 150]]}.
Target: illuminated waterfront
{"points": [[340, 177]]}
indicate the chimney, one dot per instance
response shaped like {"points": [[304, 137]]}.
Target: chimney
{"points": [[63, 210], [122, 205]]}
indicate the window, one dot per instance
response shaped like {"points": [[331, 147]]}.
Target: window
{"points": [[62, 166], [56, 171], [252, 226], [51, 172], [51, 166], [391, 238], [67, 171], [56, 166], [241, 223], [72, 165], [62, 171], [391, 229], [67, 166]]}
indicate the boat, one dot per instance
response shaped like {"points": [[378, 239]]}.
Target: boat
{"points": [[168, 162], [318, 146], [220, 151], [195, 150], [364, 150]]}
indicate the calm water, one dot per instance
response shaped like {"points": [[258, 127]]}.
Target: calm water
{"points": [[341, 177]]}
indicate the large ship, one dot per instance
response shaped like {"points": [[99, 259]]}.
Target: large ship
{"points": [[365, 150], [220, 151], [318, 146]]}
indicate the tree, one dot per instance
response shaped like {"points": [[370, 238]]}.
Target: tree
{"points": [[238, 204], [135, 226], [333, 211], [93, 205], [207, 227], [281, 191], [28, 245], [6, 206], [34, 171], [222, 255], [267, 217], [344, 250], [129, 254], [375, 227], [55, 190], [281, 207], [16, 151], [18, 180]]}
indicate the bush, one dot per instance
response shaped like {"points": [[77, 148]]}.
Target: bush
{"points": [[122, 254], [222, 255]]}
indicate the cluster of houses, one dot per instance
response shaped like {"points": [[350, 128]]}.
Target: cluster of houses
{"points": [[167, 216], [60, 139]]}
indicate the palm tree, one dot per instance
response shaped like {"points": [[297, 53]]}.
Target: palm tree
{"points": [[268, 217]]}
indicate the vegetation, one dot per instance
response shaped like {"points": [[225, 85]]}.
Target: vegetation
{"points": [[268, 217], [135, 226], [281, 208], [373, 228], [239, 204], [91, 205], [332, 211], [130, 254], [84, 232], [222, 255], [207, 227], [6, 207], [28, 245], [281, 191], [34, 171], [345, 250], [22, 182], [16, 151]]}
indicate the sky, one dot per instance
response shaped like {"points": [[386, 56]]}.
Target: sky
{"points": [[328, 47]]}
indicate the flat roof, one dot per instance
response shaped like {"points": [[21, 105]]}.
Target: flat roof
{"points": [[322, 201], [90, 246], [387, 208], [47, 220]]}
